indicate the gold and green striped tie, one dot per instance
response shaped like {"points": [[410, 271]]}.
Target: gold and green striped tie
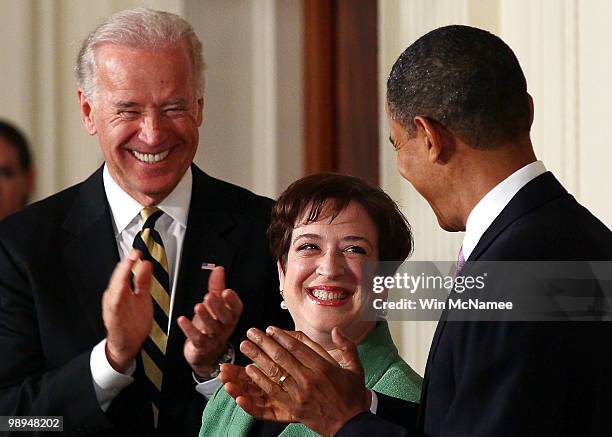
{"points": [[153, 353]]}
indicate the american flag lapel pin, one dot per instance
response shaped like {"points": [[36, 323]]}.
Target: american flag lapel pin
{"points": [[207, 266]]}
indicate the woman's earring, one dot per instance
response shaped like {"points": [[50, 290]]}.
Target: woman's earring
{"points": [[283, 304]]}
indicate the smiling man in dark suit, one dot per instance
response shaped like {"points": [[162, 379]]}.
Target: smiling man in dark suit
{"points": [[460, 117], [139, 352]]}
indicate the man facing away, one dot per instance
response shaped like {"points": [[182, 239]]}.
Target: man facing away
{"points": [[460, 117], [135, 350]]}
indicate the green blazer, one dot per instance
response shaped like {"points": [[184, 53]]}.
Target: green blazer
{"points": [[385, 372]]}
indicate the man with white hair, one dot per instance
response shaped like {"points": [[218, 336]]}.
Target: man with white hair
{"points": [[137, 350]]}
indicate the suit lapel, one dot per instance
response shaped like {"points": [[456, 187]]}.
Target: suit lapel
{"points": [[90, 251], [204, 242], [537, 192]]}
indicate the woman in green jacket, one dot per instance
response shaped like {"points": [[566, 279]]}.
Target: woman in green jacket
{"points": [[324, 228]]}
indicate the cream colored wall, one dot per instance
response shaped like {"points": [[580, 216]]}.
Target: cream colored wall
{"points": [[252, 130], [252, 133], [564, 49]]}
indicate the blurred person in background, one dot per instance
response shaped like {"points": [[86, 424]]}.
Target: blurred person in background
{"points": [[16, 172]]}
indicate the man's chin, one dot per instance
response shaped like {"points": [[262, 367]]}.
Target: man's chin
{"points": [[150, 194], [449, 226], [157, 184]]}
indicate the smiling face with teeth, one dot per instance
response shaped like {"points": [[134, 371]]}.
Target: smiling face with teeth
{"points": [[146, 113], [323, 272]]}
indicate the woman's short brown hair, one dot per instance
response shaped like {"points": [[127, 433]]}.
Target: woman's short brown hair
{"points": [[330, 194]]}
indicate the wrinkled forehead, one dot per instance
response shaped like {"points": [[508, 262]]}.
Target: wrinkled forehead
{"points": [[124, 69], [136, 55]]}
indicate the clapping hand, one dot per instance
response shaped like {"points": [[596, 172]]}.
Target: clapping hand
{"points": [[127, 313], [295, 380], [214, 321]]}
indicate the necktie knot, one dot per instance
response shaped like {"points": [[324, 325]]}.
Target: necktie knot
{"points": [[150, 214]]}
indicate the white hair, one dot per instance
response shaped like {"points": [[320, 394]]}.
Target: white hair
{"points": [[140, 28]]}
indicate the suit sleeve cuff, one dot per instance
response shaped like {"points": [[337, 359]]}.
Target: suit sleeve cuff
{"points": [[107, 382]]}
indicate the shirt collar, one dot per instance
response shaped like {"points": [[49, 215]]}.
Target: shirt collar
{"points": [[492, 204], [124, 207]]}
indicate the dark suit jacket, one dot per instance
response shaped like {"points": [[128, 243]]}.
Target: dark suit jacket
{"points": [[519, 378], [56, 258]]}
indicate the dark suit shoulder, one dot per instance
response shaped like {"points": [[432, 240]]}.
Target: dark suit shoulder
{"points": [[561, 229], [53, 221], [211, 194], [565, 214], [46, 214]]}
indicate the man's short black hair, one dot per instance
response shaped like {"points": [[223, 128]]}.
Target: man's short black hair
{"points": [[466, 79], [18, 140]]}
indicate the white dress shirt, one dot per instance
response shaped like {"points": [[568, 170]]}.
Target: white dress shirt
{"points": [[127, 222], [487, 210], [492, 204]]}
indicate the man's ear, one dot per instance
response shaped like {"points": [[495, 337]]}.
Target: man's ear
{"points": [[431, 136], [200, 115], [87, 113]]}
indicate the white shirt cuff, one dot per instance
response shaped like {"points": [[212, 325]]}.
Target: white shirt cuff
{"points": [[107, 382], [374, 404], [207, 388]]}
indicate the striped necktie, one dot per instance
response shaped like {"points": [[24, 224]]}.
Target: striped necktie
{"points": [[153, 352]]}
